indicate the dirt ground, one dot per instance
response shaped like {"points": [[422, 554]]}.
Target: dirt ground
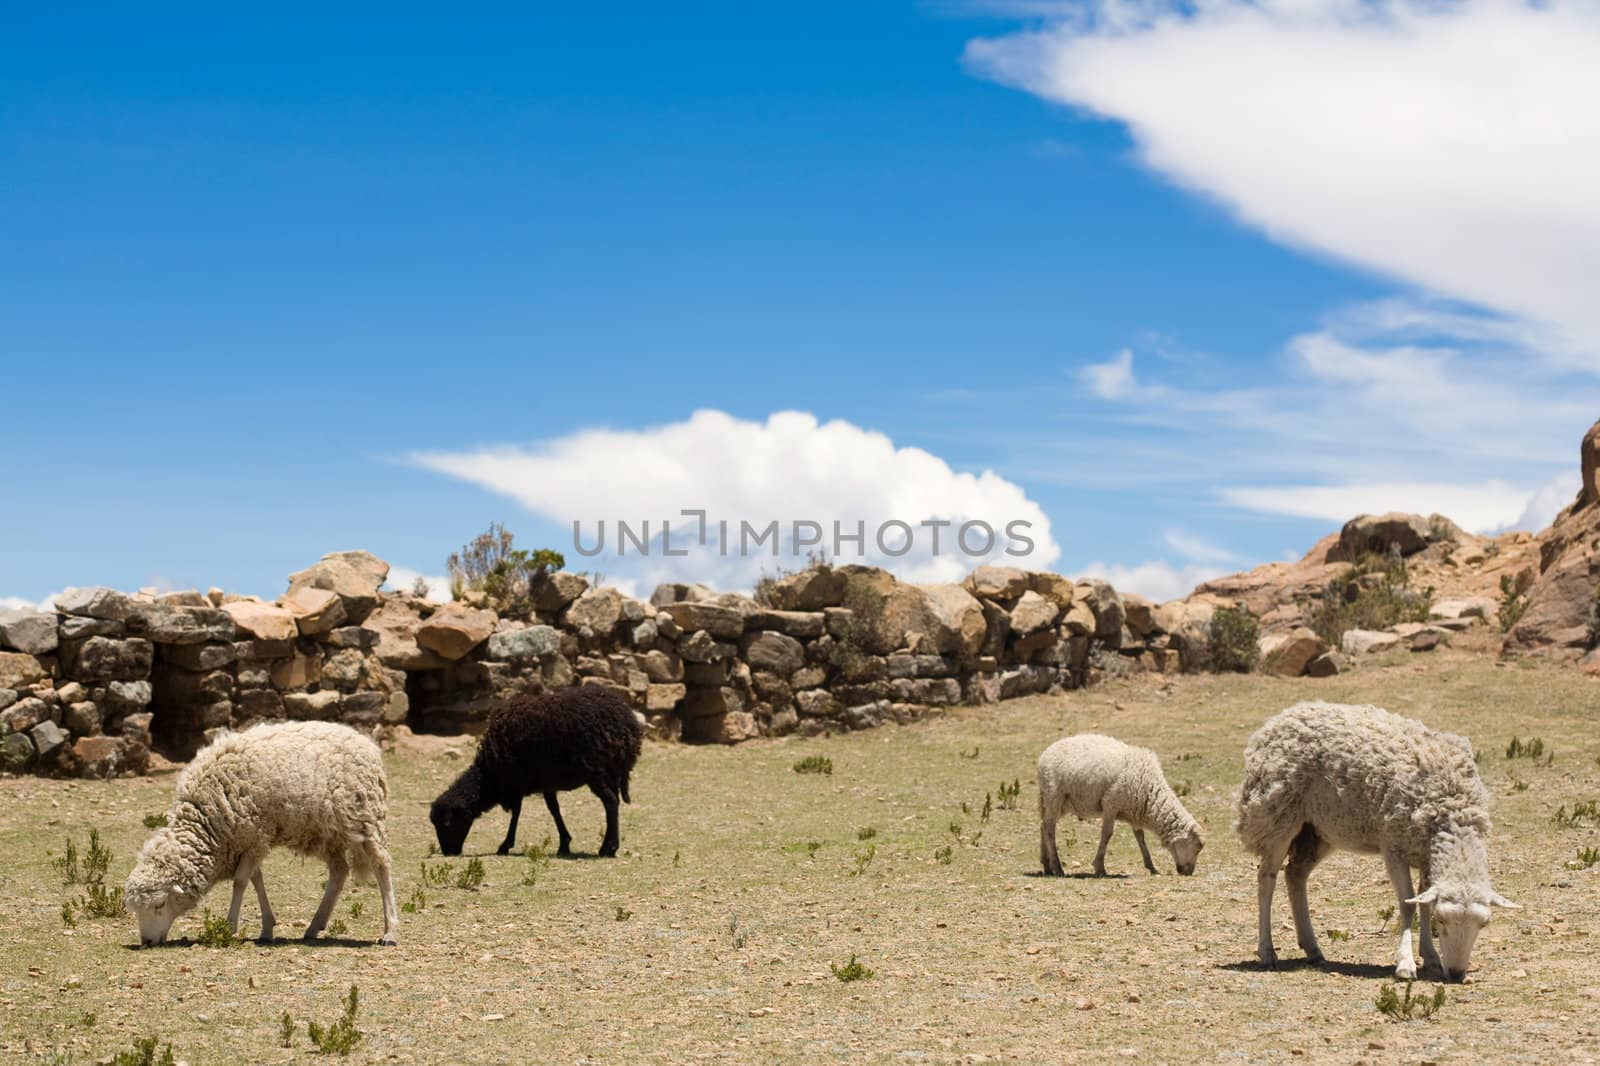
{"points": [[742, 884]]}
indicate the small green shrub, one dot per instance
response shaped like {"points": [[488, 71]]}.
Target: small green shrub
{"points": [[69, 915], [342, 1036], [1533, 748], [1010, 794], [101, 901], [1337, 935], [285, 1030], [1404, 1007], [337, 927], [1582, 814], [155, 821], [737, 935], [1375, 593], [850, 971], [1513, 598], [864, 859], [146, 1051], [623, 913], [417, 903], [538, 856], [214, 931], [866, 833], [814, 764], [1587, 857], [439, 875], [471, 877], [945, 855], [1385, 916], [1233, 638]]}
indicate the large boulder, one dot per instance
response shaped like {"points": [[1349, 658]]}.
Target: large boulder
{"points": [[551, 591], [534, 642], [718, 620], [774, 652], [1109, 614], [997, 582], [455, 629], [163, 623], [1367, 642], [263, 621], [103, 603], [28, 630], [109, 659], [396, 624], [1032, 613], [597, 610], [1288, 653], [315, 610], [811, 589], [1379, 534], [936, 618], [354, 576], [677, 592]]}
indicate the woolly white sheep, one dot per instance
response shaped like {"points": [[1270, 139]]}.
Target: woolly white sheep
{"points": [[317, 788], [1091, 776], [1325, 776]]}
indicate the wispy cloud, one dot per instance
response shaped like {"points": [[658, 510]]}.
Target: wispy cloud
{"points": [[1157, 579], [1452, 146]]}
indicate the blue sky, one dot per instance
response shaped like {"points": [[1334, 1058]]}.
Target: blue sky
{"points": [[278, 284]]}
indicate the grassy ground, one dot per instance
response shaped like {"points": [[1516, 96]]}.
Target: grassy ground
{"points": [[742, 884]]}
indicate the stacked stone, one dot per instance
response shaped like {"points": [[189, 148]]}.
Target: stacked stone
{"points": [[91, 687]]}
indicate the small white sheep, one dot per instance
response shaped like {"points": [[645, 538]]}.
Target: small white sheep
{"points": [[1325, 776], [317, 788], [1091, 776]]}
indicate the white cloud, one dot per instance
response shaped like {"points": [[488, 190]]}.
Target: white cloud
{"points": [[404, 579], [8, 603], [788, 468], [1543, 506], [1478, 508], [1197, 549], [1453, 146], [1156, 580], [1111, 380]]}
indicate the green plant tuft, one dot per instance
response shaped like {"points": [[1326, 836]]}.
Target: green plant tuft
{"points": [[1404, 1007], [814, 764], [342, 1036], [850, 971]]}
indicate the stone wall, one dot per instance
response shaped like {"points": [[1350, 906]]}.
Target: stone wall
{"points": [[94, 686]]}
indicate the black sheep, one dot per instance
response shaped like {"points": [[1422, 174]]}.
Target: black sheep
{"points": [[550, 743]]}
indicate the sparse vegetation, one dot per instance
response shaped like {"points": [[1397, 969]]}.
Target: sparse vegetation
{"points": [[1533, 748], [1183, 788], [850, 971], [341, 1037], [1404, 1007], [417, 902], [944, 855], [1009, 794], [738, 936], [155, 821], [1233, 646], [1587, 857], [214, 932], [285, 1030], [146, 1051], [1514, 598], [814, 764], [538, 856], [471, 876], [1375, 593], [1337, 935], [866, 833], [99, 900], [864, 857], [1582, 814], [1385, 916], [622, 913], [491, 565]]}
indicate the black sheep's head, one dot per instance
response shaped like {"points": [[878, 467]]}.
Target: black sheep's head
{"points": [[451, 823]]}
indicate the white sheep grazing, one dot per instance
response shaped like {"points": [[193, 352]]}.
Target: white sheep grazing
{"points": [[1325, 776], [317, 788], [1094, 776]]}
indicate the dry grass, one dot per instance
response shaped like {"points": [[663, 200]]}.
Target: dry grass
{"points": [[740, 883]]}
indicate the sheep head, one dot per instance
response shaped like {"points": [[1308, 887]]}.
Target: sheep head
{"points": [[1460, 911], [157, 891], [1186, 851], [452, 820]]}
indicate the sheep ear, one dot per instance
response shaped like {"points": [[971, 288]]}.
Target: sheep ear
{"points": [[1497, 900], [1426, 897]]}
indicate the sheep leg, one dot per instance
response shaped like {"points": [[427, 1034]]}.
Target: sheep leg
{"points": [[1430, 954], [241, 877], [608, 797], [1107, 827], [1266, 883], [1405, 965], [378, 859], [1049, 857], [561, 826], [268, 919], [1138, 834], [338, 870], [1306, 852], [511, 830]]}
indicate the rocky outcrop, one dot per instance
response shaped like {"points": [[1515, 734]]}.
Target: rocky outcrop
{"points": [[1562, 615]]}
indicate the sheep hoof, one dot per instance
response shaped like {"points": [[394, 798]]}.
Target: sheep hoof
{"points": [[386, 941], [1315, 958], [1407, 972], [503, 849]]}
